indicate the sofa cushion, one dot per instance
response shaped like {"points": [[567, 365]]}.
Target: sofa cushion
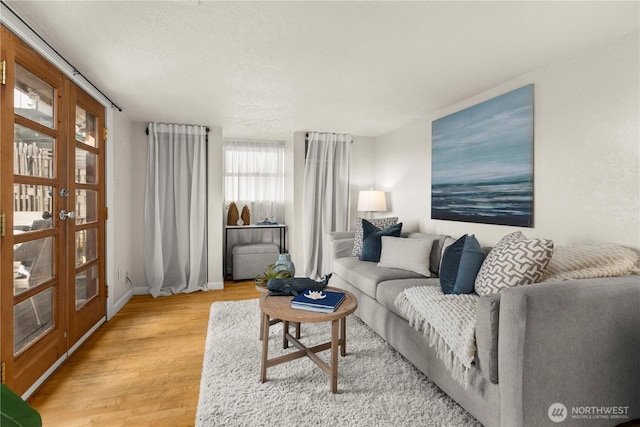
{"points": [[378, 222], [487, 321], [514, 261], [406, 254], [366, 275], [436, 249], [388, 291], [460, 264], [372, 239]]}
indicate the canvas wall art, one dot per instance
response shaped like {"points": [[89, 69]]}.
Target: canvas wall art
{"points": [[482, 162]]}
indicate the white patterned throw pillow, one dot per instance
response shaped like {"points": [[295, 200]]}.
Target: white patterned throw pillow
{"points": [[381, 223], [514, 261]]}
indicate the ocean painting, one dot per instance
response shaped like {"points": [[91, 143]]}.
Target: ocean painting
{"points": [[482, 162]]}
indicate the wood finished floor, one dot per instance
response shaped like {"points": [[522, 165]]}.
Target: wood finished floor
{"points": [[142, 368]]}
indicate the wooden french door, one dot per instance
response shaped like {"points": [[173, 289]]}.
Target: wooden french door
{"points": [[52, 214]]}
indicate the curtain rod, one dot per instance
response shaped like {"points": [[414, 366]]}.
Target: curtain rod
{"points": [[306, 135], [76, 72], [147, 130], [332, 133]]}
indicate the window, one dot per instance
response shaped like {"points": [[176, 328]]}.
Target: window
{"points": [[254, 175]]}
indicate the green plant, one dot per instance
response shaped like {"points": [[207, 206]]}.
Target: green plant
{"points": [[270, 273]]}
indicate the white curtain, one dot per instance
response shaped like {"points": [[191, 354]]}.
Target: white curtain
{"points": [[254, 176], [176, 209], [326, 197]]}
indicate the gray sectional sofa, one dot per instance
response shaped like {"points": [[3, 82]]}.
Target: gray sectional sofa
{"points": [[573, 342]]}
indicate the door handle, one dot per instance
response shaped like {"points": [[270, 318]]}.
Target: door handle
{"points": [[63, 215]]}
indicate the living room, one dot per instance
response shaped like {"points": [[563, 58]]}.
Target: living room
{"points": [[586, 148], [578, 101]]}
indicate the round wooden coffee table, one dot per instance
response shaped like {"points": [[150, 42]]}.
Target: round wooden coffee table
{"points": [[279, 307]]}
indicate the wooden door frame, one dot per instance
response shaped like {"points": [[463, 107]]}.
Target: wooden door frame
{"points": [[6, 175], [29, 377], [53, 343]]}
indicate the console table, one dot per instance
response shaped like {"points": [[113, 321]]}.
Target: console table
{"points": [[282, 230]]}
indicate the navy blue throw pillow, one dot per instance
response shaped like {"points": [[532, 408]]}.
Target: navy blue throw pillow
{"points": [[372, 239], [461, 262]]}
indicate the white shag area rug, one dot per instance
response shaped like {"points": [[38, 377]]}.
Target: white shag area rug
{"points": [[376, 385]]}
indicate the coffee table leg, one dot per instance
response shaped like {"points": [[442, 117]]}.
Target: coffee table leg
{"points": [[265, 346], [335, 343], [285, 329], [343, 336]]}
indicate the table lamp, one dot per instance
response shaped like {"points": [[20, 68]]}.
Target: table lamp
{"points": [[372, 201]]}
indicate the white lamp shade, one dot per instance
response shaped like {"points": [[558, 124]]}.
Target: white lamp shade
{"points": [[372, 201]]}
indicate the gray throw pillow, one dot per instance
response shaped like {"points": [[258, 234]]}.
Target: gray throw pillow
{"points": [[406, 254]]}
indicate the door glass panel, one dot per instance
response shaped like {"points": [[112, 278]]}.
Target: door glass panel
{"points": [[33, 98], [86, 246], [85, 127], [32, 153], [32, 264], [86, 206], [86, 286], [32, 318], [86, 172], [32, 207]]}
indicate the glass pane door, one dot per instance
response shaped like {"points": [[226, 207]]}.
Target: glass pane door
{"points": [[34, 249], [33, 98], [33, 129], [86, 186], [52, 196]]}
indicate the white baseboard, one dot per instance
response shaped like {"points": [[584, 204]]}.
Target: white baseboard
{"points": [[213, 286], [85, 336], [141, 290], [144, 290], [120, 303], [27, 394]]}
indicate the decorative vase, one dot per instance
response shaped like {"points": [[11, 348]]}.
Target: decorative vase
{"points": [[284, 263], [232, 215], [245, 216]]}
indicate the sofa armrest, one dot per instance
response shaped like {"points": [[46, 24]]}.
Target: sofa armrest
{"points": [[487, 324], [573, 342], [341, 243], [340, 235]]}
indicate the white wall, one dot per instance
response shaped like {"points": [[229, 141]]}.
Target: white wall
{"points": [[293, 205], [403, 170], [136, 188], [121, 209], [215, 205], [362, 173], [587, 153]]}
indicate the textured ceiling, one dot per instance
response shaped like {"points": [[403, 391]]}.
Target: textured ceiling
{"points": [[266, 69]]}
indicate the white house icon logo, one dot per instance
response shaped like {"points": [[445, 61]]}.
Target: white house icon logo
{"points": [[557, 412]]}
